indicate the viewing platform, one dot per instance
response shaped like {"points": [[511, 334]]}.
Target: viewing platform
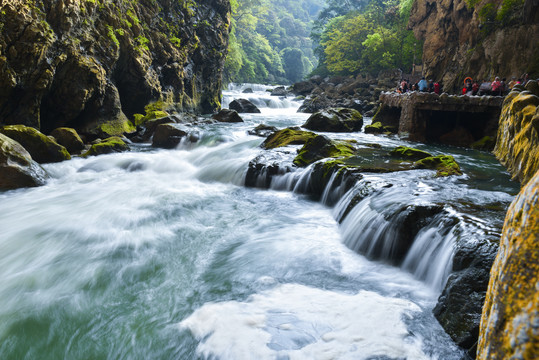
{"points": [[448, 119]]}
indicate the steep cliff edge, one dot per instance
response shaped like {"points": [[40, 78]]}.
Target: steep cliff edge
{"points": [[478, 38], [517, 145], [92, 64]]}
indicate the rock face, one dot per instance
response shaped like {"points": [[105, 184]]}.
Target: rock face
{"points": [[85, 64], [482, 41], [17, 169], [509, 324], [335, 120], [41, 148], [517, 144]]}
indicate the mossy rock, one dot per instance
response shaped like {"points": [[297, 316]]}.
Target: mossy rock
{"points": [[445, 165], [485, 143], [42, 148], [107, 146], [167, 136], [17, 169], [69, 138], [375, 128], [287, 137], [408, 153], [335, 120], [320, 147]]}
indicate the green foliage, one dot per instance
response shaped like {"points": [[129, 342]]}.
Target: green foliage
{"points": [[508, 9], [142, 43], [371, 38], [262, 36], [112, 35]]}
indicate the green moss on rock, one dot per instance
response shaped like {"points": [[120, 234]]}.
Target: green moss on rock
{"points": [[375, 128], [320, 147], [107, 146], [445, 165], [287, 137], [42, 148], [408, 153]]}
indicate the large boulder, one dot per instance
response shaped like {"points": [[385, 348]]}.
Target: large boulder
{"points": [[243, 106], [17, 169], [509, 323], [287, 137], [335, 120], [408, 153], [320, 147], [69, 138], [168, 136], [110, 145], [42, 148], [228, 116]]}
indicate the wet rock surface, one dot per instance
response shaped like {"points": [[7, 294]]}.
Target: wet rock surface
{"points": [[168, 136], [228, 116], [335, 120], [243, 106]]}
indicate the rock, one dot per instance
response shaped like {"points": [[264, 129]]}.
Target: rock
{"points": [[41, 148], [110, 145], [408, 153], [445, 165], [344, 177], [247, 91], [68, 138], [315, 103], [95, 63], [264, 167], [228, 116], [167, 136], [533, 87], [485, 143], [243, 106], [149, 127], [17, 169], [375, 128], [335, 120], [517, 142], [509, 323], [459, 306], [263, 130], [320, 147], [279, 91], [303, 87], [287, 137]]}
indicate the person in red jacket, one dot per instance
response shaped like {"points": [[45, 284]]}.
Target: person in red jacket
{"points": [[496, 86], [437, 88]]}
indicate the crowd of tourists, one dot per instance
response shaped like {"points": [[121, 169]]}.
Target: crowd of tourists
{"points": [[471, 87]]}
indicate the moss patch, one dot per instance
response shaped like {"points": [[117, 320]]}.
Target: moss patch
{"points": [[445, 165], [287, 137], [320, 147], [107, 146], [408, 153]]}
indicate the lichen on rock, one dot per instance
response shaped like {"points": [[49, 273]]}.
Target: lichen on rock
{"points": [[445, 165]]}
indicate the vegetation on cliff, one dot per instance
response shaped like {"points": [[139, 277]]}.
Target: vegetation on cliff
{"points": [[369, 37]]}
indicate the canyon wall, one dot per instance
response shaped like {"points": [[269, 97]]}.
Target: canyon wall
{"points": [[93, 64], [481, 39]]}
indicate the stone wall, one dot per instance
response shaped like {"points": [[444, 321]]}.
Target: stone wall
{"points": [[83, 64]]}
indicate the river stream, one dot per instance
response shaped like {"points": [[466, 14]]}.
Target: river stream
{"points": [[165, 254]]}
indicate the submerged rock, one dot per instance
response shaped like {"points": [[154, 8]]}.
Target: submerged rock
{"points": [[228, 116], [262, 130], [320, 147], [243, 106], [17, 169], [445, 165], [335, 120], [167, 136], [408, 153], [110, 145], [288, 136], [42, 148], [375, 128]]}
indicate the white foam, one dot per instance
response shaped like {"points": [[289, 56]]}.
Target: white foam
{"points": [[294, 321]]}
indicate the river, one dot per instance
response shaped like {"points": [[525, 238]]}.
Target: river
{"points": [[164, 254]]}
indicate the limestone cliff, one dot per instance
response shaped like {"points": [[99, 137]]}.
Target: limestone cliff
{"points": [[510, 321], [86, 63], [517, 145], [477, 38]]}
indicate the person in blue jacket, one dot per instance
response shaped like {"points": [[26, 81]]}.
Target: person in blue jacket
{"points": [[422, 84]]}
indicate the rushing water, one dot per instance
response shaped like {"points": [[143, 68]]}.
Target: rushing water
{"points": [[164, 254]]}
